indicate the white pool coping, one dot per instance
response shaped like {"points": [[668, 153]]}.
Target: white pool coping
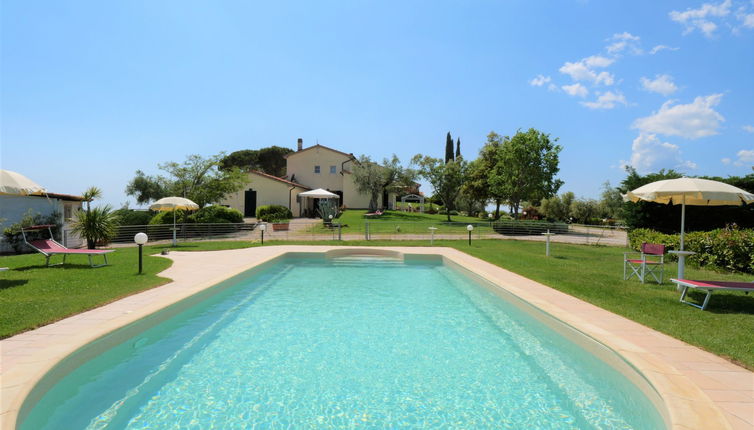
{"points": [[699, 390]]}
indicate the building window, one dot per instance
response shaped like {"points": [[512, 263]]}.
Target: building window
{"points": [[316, 169], [332, 170], [67, 212]]}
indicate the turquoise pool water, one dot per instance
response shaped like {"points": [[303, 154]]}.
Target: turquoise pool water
{"points": [[345, 343]]}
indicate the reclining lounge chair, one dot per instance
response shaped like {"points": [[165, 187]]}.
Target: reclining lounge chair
{"points": [[710, 287], [50, 247]]}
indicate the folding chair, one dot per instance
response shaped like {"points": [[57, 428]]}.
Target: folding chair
{"points": [[652, 260]]}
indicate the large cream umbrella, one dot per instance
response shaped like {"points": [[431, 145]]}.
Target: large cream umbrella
{"points": [[173, 204], [16, 184], [690, 191]]}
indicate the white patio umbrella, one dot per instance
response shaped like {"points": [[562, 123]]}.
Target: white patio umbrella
{"points": [[690, 191], [12, 183], [319, 193], [173, 204]]}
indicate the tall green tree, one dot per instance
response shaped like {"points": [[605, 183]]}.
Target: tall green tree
{"points": [[489, 157], [448, 148], [458, 148], [611, 202], [446, 178], [197, 178], [526, 167], [475, 190], [558, 208], [270, 160], [374, 179]]}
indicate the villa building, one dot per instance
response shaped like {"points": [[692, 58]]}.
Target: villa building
{"points": [[306, 169]]}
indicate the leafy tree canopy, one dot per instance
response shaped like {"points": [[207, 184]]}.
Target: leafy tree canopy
{"points": [[525, 168], [198, 179], [446, 178], [269, 160], [374, 179]]}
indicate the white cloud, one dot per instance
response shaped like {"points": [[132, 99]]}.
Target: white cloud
{"points": [[539, 81], [649, 154], [747, 19], [692, 121], [659, 48], [552, 87], [606, 100], [745, 157], [623, 41], [726, 161], [575, 90], [661, 84], [583, 70], [749, 128], [699, 19]]}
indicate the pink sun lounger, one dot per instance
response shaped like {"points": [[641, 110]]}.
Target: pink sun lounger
{"points": [[50, 247], [710, 287]]}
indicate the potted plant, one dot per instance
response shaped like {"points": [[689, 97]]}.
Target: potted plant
{"points": [[280, 224]]}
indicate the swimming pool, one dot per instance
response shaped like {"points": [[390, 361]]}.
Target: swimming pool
{"points": [[344, 342]]}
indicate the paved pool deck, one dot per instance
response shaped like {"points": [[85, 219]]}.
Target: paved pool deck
{"points": [[699, 390]]}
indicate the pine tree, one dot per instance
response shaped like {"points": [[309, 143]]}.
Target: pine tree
{"points": [[449, 148], [458, 148]]}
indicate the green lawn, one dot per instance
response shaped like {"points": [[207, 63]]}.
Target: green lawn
{"points": [[397, 222], [32, 295]]}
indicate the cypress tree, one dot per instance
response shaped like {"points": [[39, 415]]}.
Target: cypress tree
{"points": [[458, 148], [448, 148]]}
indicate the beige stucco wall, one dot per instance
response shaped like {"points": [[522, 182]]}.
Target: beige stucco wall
{"points": [[352, 198], [269, 192], [301, 164]]}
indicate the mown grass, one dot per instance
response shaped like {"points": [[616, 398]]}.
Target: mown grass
{"points": [[398, 222], [32, 295]]}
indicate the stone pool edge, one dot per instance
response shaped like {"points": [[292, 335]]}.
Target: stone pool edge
{"points": [[27, 357]]}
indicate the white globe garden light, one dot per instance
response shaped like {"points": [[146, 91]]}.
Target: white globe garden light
{"points": [[140, 239], [470, 228], [262, 228]]}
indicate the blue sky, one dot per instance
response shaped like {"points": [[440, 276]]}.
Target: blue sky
{"points": [[93, 91]]}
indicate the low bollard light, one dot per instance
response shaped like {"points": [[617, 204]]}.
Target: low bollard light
{"points": [[262, 228], [140, 239], [470, 228]]}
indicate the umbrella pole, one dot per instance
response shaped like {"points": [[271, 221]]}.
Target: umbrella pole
{"points": [[175, 242], [683, 218]]}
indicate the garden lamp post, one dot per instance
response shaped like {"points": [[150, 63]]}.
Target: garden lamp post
{"points": [[262, 228], [140, 239], [470, 228]]}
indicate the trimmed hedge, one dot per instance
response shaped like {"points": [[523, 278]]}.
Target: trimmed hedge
{"points": [[270, 213], [217, 214], [181, 217], [132, 217], [725, 248]]}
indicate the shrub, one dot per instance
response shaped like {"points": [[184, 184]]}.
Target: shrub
{"points": [[217, 214], [726, 248], [132, 217], [271, 213], [166, 217]]}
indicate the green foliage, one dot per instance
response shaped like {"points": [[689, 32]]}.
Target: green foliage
{"points": [[326, 209], [585, 211], [449, 148], [273, 213], [13, 234], [199, 179], [558, 208], [446, 178], [374, 179], [166, 217], [217, 214], [131, 217], [270, 160], [525, 168], [611, 202], [97, 225], [724, 249]]}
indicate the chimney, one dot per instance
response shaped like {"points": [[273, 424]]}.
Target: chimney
{"points": [[300, 144]]}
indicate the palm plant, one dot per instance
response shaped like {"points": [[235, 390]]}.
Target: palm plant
{"points": [[97, 224]]}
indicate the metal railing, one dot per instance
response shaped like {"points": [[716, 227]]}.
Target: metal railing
{"points": [[184, 232]]}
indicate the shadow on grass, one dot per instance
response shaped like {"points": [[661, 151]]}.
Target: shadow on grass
{"points": [[722, 303], [10, 283], [56, 266]]}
